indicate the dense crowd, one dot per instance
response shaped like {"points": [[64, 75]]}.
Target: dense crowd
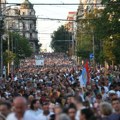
{"points": [[50, 59], [54, 92]]}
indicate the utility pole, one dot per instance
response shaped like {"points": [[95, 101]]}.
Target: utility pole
{"points": [[8, 65], [73, 40], [1, 44], [0, 40], [8, 53], [73, 46], [13, 59], [93, 49]]}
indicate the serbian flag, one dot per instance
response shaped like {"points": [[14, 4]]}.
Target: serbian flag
{"points": [[84, 77], [87, 71]]}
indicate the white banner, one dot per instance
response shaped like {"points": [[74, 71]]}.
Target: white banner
{"points": [[39, 62]]}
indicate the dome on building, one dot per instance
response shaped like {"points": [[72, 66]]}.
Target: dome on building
{"points": [[26, 5]]}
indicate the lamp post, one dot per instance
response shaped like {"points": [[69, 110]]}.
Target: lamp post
{"points": [[111, 37], [1, 55], [1, 40], [1, 45], [93, 48], [3, 12], [8, 65]]}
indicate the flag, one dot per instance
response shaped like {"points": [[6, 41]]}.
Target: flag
{"points": [[82, 84], [87, 71], [84, 76]]}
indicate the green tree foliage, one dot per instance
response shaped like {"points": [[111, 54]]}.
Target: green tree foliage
{"points": [[1, 27], [84, 46], [60, 39], [95, 24], [111, 48], [9, 56], [23, 47], [107, 27], [84, 38], [19, 46], [87, 33]]}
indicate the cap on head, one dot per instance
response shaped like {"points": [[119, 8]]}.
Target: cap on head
{"points": [[112, 92]]}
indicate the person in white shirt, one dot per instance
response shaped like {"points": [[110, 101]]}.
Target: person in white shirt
{"points": [[79, 104], [104, 95], [35, 107], [116, 105], [20, 110], [5, 108], [45, 115], [106, 89]]}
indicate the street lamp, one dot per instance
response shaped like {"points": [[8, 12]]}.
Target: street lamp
{"points": [[2, 16], [1, 52], [111, 37]]}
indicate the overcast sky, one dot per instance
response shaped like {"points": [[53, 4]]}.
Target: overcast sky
{"points": [[45, 26]]}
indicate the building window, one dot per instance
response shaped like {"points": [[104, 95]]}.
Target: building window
{"points": [[30, 26], [32, 13], [23, 25], [23, 34], [30, 35], [23, 13]]}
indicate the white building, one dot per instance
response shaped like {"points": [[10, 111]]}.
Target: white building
{"points": [[2, 4], [12, 23], [23, 20], [87, 6], [28, 23]]}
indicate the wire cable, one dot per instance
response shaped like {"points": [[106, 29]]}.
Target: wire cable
{"points": [[42, 18], [65, 3]]}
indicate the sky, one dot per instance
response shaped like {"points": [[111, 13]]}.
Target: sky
{"points": [[46, 27]]}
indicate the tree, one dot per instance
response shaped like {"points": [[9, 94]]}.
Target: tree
{"points": [[109, 28], [9, 56], [84, 37], [61, 40], [104, 23], [84, 45], [111, 49], [19, 47]]}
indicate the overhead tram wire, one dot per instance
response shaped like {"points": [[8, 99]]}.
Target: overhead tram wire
{"points": [[45, 33], [55, 19], [52, 19], [63, 3]]}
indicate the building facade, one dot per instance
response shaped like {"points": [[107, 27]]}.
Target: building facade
{"points": [[71, 27], [22, 19], [2, 5], [12, 23], [71, 20], [28, 24], [86, 6]]}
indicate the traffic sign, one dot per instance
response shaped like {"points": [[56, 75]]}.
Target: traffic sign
{"points": [[91, 56]]}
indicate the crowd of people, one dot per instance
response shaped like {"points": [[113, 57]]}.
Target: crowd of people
{"points": [[50, 59], [54, 92]]}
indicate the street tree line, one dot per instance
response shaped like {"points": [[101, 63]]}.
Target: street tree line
{"points": [[98, 33], [61, 40], [19, 48], [104, 26]]}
